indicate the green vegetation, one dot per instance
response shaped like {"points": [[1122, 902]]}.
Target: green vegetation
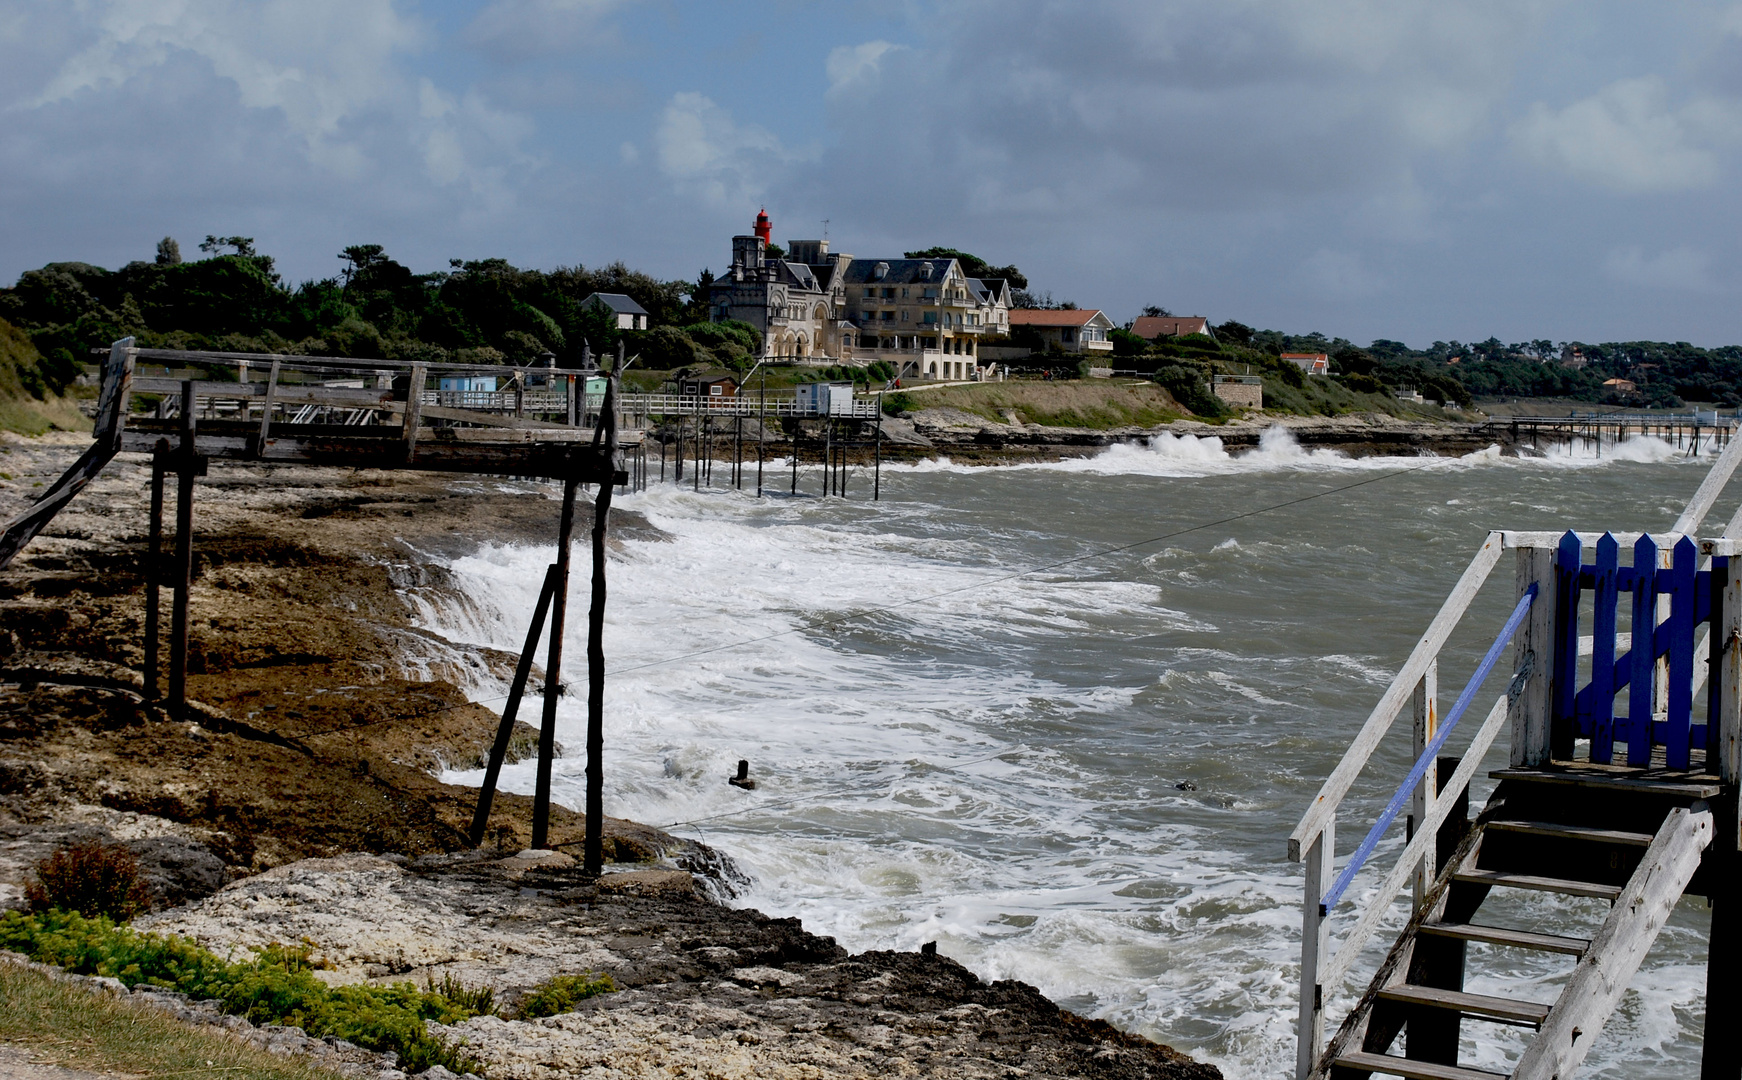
{"points": [[561, 993], [91, 878], [33, 389], [276, 986], [68, 1025], [1099, 404]]}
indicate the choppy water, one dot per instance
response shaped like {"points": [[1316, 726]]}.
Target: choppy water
{"points": [[1083, 777]]}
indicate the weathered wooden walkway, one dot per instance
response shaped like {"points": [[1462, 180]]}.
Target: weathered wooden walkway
{"points": [[1636, 805], [358, 414]]}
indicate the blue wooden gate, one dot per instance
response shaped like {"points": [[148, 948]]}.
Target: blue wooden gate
{"points": [[1588, 711]]}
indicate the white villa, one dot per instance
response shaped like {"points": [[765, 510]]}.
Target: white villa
{"points": [[924, 315]]}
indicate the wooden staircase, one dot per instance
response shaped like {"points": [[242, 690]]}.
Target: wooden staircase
{"points": [[1532, 836]]}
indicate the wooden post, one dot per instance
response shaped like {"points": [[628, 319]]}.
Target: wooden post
{"points": [[828, 456], [154, 567], [594, 857], [1427, 791], [505, 730], [796, 424], [184, 556], [553, 664], [738, 452], [877, 467], [761, 431], [413, 410], [574, 403], [698, 441], [1722, 1055], [1533, 658], [677, 468], [1315, 940], [266, 410]]}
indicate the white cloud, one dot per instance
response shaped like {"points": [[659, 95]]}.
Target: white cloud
{"points": [[1629, 138], [702, 148], [850, 63], [515, 29], [1680, 268]]}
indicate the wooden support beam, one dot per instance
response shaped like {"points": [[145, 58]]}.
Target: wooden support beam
{"points": [[154, 569], [186, 463], [1532, 657], [1427, 791], [1315, 941], [267, 401], [553, 668], [413, 407], [505, 730], [594, 847]]}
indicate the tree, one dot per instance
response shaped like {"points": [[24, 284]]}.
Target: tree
{"points": [[242, 246], [1154, 312], [1236, 332], [168, 252], [361, 257], [974, 266]]}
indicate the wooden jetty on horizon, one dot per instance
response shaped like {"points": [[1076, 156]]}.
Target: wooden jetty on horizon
{"points": [[1633, 803]]}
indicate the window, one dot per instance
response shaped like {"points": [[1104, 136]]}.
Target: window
{"points": [[930, 294], [904, 293], [931, 316], [1067, 334], [904, 316], [717, 390], [888, 316], [890, 292]]}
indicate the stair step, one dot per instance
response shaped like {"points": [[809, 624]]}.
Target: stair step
{"points": [[1495, 1008], [1573, 832], [1413, 1070], [1500, 935], [1541, 884]]}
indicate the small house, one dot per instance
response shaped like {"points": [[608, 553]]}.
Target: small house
{"points": [[1071, 329], [629, 314], [1151, 327], [1313, 363], [718, 385], [1240, 391], [1620, 386], [473, 384]]}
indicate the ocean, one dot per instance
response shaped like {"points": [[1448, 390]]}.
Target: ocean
{"points": [[1060, 720]]}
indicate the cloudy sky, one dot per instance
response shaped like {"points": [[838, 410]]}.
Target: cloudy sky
{"points": [[1409, 169]]}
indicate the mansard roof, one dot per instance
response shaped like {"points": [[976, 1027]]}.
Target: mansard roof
{"points": [[900, 272]]}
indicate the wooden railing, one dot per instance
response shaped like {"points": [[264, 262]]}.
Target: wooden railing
{"points": [[1545, 705]]}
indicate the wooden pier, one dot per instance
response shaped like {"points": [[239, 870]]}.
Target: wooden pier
{"points": [[358, 414], [1692, 432], [1635, 805]]}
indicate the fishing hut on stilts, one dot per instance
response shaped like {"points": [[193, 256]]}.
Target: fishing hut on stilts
{"points": [[369, 414], [1634, 803]]}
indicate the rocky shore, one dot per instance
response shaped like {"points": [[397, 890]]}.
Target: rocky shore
{"points": [[972, 439], [300, 800]]}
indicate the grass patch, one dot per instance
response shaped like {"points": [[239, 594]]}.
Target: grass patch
{"points": [[26, 415], [275, 986], [68, 1025], [1099, 404], [560, 994]]}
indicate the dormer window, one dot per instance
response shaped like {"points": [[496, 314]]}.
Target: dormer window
{"points": [[925, 271], [880, 271]]}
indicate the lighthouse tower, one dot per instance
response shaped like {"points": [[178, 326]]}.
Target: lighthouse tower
{"points": [[764, 227]]}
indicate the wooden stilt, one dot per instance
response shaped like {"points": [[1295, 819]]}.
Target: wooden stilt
{"points": [[828, 457], [184, 555], [505, 730], [553, 665], [154, 568], [594, 857], [761, 429], [795, 426], [877, 468]]}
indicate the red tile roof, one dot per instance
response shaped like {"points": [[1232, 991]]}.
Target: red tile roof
{"points": [[1052, 317], [1154, 326]]}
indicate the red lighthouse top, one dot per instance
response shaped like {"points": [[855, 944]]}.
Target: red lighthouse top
{"points": [[764, 227]]}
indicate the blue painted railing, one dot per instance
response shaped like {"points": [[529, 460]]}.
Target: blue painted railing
{"points": [[1588, 711], [1429, 754]]}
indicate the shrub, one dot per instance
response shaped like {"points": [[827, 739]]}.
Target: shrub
{"points": [[1188, 388], [560, 993], [275, 986], [897, 403], [91, 878]]}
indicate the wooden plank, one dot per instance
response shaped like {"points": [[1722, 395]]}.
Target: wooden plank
{"points": [[1569, 557], [1573, 832], [289, 393], [413, 404], [1680, 704], [1413, 1070], [1642, 688], [1349, 949], [553, 665], [1709, 490], [1623, 777], [268, 398], [115, 395], [1314, 948], [554, 460], [593, 849], [1564, 886], [1601, 975], [1600, 705], [1498, 1008], [1500, 935], [1586, 538], [185, 463], [1422, 800], [1533, 653], [1391, 703], [1724, 716]]}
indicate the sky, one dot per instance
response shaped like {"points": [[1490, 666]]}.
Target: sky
{"points": [[1416, 170]]}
